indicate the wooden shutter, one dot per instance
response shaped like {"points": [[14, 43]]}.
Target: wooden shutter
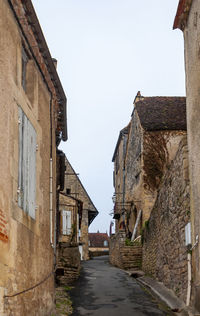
{"points": [[31, 180], [20, 162], [27, 165], [69, 222], [66, 222]]}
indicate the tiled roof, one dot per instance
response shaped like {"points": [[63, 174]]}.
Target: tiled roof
{"points": [[162, 113], [97, 239]]}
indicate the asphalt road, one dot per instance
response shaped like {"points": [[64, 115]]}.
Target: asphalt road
{"points": [[103, 290]]}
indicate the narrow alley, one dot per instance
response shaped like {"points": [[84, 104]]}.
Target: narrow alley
{"points": [[103, 290]]}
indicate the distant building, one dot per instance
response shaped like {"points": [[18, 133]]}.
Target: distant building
{"points": [[74, 188], [142, 154], [69, 224], [153, 143], [98, 244]]}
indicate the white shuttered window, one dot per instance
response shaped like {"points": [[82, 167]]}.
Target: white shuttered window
{"points": [[67, 222], [27, 165]]}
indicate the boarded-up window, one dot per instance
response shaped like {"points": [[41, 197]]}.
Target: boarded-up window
{"points": [[27, 165], [66, 222]]}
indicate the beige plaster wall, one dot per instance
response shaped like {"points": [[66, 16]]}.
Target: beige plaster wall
{"points": [[192, 67], [26, 256]]}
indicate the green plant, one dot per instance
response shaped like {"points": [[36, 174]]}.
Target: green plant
{"points": [[67, 288], [128, 242]]}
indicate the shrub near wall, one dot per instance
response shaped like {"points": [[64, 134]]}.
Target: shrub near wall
{"points": [[164, 250]]}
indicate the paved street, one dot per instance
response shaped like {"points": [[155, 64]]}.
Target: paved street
{"points": [[104, 290]]}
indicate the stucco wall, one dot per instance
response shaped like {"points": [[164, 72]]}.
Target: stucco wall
{"points": [[192, 67], [26, 256], [164, 250]]}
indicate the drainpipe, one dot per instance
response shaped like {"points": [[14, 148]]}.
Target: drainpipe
{"points": [[51, 201], [189, 259], [51, 179], [189, 279]]}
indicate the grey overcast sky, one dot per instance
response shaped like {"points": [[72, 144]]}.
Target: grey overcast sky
{"points": [[107, 50]]}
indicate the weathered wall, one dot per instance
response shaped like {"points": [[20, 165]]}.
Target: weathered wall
{"points": [[164, 250], [119, 177], [68, 265], [124, 257], [192, 66], [68, 256], [26, 256], [147, 157], [97, 252], [159, 149], [68, 203]]}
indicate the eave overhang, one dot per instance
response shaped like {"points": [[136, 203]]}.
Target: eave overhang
{"points": [[91, 216], [182, 14]]}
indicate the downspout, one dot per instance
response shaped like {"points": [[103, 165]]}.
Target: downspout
{"points": [[189, 279], [189, 260], [51, 179]]}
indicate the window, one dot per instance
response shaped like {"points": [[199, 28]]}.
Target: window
{"points": [[105, 243], [26, 165], [24, 67], [66, 222]]}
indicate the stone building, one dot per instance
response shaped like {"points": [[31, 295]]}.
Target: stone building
{"points": [[188, 20], [69, 224], [74, 187], [144, 151], [32, 121], [163, 237], [98, 244]]}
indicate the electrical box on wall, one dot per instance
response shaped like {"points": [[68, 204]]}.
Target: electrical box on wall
{"points": [[188, 240]]}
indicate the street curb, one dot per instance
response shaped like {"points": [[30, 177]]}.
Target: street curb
{"points": [[166, 295]]}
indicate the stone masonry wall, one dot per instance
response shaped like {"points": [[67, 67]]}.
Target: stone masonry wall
{"points": [[164, 250], [68, 265], [124, 257]]}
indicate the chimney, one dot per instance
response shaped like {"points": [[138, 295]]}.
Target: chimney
{"points": [[138, 97]]}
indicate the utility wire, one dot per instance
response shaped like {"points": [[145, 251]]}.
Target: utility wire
{"points": [[30, 288]]}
